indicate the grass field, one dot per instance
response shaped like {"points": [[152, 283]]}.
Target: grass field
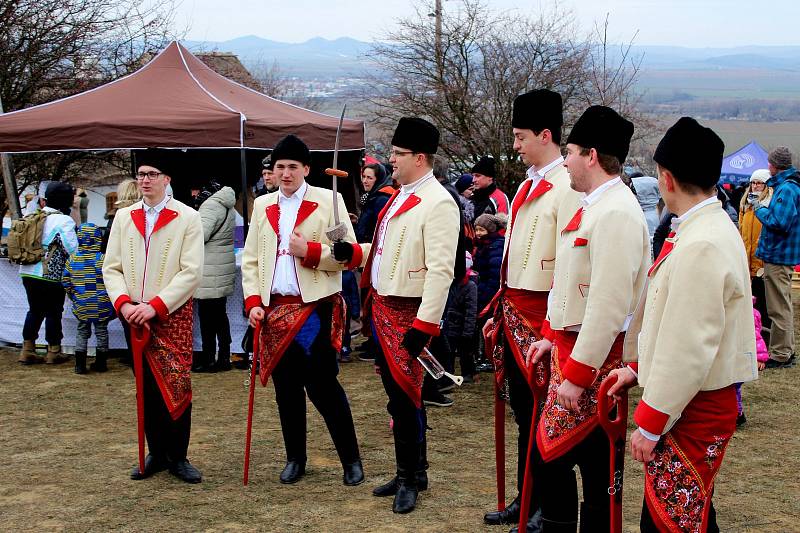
{"points": [[69, 442]]}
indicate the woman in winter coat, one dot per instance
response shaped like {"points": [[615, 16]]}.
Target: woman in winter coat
{"points": [[488, 257], [215, 205], [750, 228], [377, 190]]}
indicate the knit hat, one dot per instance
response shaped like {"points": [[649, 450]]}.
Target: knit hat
{"points": [[489, 222], [417, 135], [463, 183], [761, 175], [59, 195], [538, 110], [603, 129], [691, 152], [292, 148], [485, 166], [781, 158]]}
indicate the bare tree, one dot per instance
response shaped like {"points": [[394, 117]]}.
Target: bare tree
{"points": [[465, 77], [50, 49], [279, 84]]}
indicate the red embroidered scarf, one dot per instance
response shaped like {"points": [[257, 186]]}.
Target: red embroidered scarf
{"points": [[560, 428], [680, 480], [169, 355]]}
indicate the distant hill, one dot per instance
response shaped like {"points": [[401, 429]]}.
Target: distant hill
{"points": [[755, 72]]}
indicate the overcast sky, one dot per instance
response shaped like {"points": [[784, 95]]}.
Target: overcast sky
{"points": [[696, 23]]}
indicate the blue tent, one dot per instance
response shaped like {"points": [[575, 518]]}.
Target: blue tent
{"points": [[737, 167]]}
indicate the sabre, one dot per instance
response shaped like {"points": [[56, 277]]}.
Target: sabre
{"points": [[140, 337], [435, 368], [250, 402], [538, 380], [489, 338], [338, 231], [615, 430]]}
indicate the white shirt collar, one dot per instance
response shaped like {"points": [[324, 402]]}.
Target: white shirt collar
{"points": [[676, 222], [595, 195], [159, 206], [411, 188], [533, 172], [298, 194]]}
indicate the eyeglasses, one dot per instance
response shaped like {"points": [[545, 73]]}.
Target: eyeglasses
{"points": [[395, 153], [152, 175]]}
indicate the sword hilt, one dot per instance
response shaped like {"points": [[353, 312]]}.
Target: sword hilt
{"points": [[336, 172]]}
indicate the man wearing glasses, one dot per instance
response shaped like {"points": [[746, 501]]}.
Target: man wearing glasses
{"points": [[408, 272], [153, 266]]}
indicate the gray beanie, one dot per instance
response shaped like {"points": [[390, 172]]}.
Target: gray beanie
{"points": [[780, 157]]}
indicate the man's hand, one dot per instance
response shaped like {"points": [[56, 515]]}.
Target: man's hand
{"points": [[488, 327], [343, 251], [568, 394], [298, 245], [537, 350], [141, 314], [256, 316], [625, 380], [126, 310], [414, 341], [642, 447]]}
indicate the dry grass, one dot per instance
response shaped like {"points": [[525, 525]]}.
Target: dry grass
{"points": [[69, 442]]}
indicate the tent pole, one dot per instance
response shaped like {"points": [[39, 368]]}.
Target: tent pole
{"points": [[9, 182], [243, 163]]}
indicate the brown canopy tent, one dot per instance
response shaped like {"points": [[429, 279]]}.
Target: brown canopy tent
{"points": [[174, 101]]}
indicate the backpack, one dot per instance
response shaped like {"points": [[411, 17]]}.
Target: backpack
{"points": [[25, 239]]}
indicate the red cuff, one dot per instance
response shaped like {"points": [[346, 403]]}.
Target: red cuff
{"points": [[122, 300], [547, 332], [358, 255], [252, 301], [650, 419], [634, 365], [311, 260], [579, 373], [426, 327], [161, 309]]}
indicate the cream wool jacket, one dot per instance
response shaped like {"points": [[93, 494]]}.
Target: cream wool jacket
{"points": [[693, 331], [530, 244], [318, 274], [599, 276], [164, 272], [419, 252]]}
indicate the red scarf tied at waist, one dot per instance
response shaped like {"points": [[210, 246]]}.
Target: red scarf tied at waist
{"points": [[169, 355]]}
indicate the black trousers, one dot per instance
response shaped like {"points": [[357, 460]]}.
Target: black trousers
{"points": [[214, 326], [521, 400], [315, 374], [560, 500], [45, 304], [463, 348], [409, 423], [757, 286], [647, 525], [166, 438]]}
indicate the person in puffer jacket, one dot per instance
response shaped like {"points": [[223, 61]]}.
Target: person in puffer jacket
{"points": [[488, 257], [83, 282], [215, 205]]}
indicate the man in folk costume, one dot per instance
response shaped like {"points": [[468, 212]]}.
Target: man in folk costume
{"points": [[691, 340], [544, 203], [153, 266], [408, 272], [292, 287], [601, 267]]}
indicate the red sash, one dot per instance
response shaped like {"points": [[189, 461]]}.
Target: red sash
{"points": [[520, 313], [560, 428], [169, 355], [392, 317], [283, 319], [680, 480]]}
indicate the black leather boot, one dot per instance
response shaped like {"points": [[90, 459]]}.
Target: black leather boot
{"points": [[509, 515], [553, 526], [80, 363], [594, 518], [405, 500], [533, 525], [390, 488], [100, 362]]}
